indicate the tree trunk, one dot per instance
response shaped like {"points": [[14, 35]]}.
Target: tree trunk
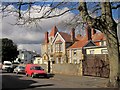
{"points": [[114, 59], [107, 25]]}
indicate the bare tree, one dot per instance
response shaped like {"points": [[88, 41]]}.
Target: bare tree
{"points": [[108, 26], [103, 21]]}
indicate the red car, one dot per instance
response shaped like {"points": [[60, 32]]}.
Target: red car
{"points": [[34, 70]]}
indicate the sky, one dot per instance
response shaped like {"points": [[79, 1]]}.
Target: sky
{"points": [[31, 37]]}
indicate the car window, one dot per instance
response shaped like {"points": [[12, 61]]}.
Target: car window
{"points": [[16, 68], [7, 64], [21, 67], [36, 68], [32, 68]]}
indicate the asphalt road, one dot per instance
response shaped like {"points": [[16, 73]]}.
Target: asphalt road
{"points": [[20, 81]]}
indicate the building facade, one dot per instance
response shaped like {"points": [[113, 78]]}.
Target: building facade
{"points": [[26, 56], [61, 47], [37, 59]]}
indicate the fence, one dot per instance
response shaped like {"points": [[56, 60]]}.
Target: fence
{"points": [[96, 65]]}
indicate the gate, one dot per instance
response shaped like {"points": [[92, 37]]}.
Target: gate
{"points": [[96, 65]]}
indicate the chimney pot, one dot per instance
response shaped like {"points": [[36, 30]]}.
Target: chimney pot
{"points": [[46, 37], [93, 31], [73, 34], [88, 32]]}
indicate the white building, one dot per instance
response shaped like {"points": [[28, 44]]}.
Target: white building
{"points": [[26, 56], [38, 60]]}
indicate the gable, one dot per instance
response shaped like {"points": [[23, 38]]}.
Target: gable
{"points": [[58, 37], [90, 43], [45, 56]]}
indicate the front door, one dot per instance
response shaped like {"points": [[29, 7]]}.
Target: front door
{"points": [[48, 66]]}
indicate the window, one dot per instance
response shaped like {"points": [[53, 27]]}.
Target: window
{"points": [[103, 43], [75, 61], [104, 51], [38, 62], [91, 51], [51, 39], [51, 49], [59, 60], [58, 47], [74, 52], [53, 62], [36, 68], [44, 57]]}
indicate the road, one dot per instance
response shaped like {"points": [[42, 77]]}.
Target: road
{"points": [[20, 81]]}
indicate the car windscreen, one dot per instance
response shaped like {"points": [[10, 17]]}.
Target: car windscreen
{"points": [[21, 67], [37, 68], [7, 64]]}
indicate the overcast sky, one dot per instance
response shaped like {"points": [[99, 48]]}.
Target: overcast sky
{"points": [[31, 37]]}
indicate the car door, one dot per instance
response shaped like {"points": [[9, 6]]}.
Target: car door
{"points": [[31, 70]]}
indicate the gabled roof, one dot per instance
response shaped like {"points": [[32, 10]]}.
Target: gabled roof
{"points": [[53, 31], [98, 36], [83, 40], [78, 44], [57, 34], [89, 43], [65, 36]]}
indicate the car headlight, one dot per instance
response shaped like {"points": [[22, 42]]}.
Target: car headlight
{"points": [[18, 69]]}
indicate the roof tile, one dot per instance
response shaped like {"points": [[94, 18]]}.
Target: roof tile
{"points": [[83, 40], [66, 36]]}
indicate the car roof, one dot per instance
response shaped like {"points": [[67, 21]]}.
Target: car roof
{"points": [[33, 64]]}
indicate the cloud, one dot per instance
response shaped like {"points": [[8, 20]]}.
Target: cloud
{"points": [[30, 47], [31, 37]]}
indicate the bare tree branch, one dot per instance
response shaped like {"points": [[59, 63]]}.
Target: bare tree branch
{"points": [[115, 5], [87, 18]]}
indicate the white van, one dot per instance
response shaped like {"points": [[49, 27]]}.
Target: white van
{"points": [[6, 65]]}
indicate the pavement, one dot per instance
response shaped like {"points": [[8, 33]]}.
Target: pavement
{"points": [[83, 81], [55, 81]]}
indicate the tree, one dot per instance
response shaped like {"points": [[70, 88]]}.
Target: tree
{"points": [[108, 26], [103, 21], [9, 50]]}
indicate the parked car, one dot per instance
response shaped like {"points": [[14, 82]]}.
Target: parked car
{"points": [[7, 66], [35, 70], [19, 69]]}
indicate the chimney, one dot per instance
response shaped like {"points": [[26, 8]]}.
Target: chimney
{"points": [[93, 31], [88, 33], [72, 34], [46, 37]]}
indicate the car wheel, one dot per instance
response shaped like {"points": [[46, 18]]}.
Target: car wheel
{"points": [[45, 76]]}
